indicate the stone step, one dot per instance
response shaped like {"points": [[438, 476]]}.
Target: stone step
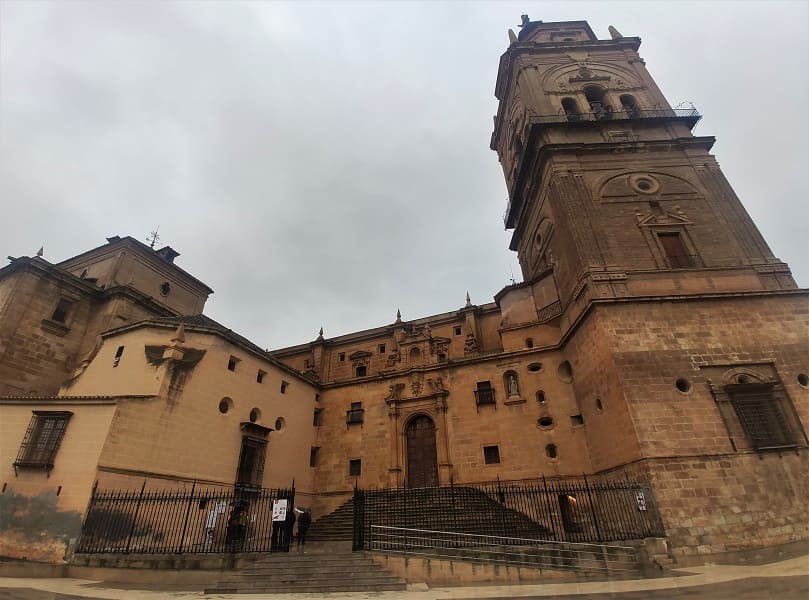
{"points": [[333, 569], [269, 571], [311, 588], [294, 578]]}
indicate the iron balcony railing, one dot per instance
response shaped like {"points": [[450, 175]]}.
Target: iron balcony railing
{"points": [[682, 261], [484, 396], [691, 115], [504, 550], [355, 415]]}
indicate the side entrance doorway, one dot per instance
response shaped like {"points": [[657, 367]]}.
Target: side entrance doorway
{"points": [[422, 459]]}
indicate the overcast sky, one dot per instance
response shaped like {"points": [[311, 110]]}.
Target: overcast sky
{"points": [[328, 163]]}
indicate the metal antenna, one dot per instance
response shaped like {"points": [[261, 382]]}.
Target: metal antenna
{"points": [[153, 237]]}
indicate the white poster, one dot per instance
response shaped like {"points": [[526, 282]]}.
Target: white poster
{"points": [[640, 498], [279, 510]]}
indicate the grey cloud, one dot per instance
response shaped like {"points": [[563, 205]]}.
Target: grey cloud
{"points": [[326, 163]]}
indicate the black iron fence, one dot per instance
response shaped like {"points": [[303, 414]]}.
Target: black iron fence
{"points": [[177, 521], [571, 510]]}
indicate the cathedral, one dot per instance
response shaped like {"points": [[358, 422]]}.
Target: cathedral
{"points": [[654, 336]]}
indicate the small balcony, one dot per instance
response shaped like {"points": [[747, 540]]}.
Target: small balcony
{"points": [[355, 416], [690, 115], [682, 261], [484, 396]]}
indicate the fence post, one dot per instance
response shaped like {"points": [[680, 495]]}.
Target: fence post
{"points": [[187, 512], [501, 497], [454, 508], [592, 507], [135, 517], [359, 542], [550, 508]]}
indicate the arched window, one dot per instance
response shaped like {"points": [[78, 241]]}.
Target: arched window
{"points": [[595, 97], [630, 106], [571, 108]]}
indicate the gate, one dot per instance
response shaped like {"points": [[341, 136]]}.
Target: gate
{"points": [[183, 521]]}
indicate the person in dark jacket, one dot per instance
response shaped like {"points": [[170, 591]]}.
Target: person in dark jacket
{"points": [[289, 524], [304, 521]]}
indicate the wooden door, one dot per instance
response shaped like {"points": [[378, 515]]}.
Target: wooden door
{"points": [[422, 459]]}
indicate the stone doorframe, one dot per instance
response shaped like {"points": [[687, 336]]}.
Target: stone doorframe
{"points": [[400, 412]]}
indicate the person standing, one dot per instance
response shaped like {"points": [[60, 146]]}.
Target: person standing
{"points": [[289, 524], [304, 521]]}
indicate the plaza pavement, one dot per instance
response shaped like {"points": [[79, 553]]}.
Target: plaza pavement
{"points": [[784, 580]]}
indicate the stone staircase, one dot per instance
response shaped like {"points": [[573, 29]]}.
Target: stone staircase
{"points": [[335, 526], [434, 509], [322, 567]]}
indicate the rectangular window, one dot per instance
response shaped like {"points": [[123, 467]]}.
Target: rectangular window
{"points": [[284, 386], [313, 456], [382, 348], [355, 467], [457, 330], [484, 394], [362, 371], [316, 417], [251, 462], [491, 455], [356, 414], [577, 419], [60, 313], [118, 354], [676, 253], [232, 361], [260, 376], [341, 357], [762, 418], [307, 363], [42, 439]]}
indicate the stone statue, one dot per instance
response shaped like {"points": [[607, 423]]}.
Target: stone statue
{"points": [[513, 386]]}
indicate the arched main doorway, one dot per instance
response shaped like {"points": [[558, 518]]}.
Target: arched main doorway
{"points": [[422, 459]]}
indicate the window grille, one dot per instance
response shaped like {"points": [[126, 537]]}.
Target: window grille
{"points": [[356, 414], [251, 463], [250, 471], [762, 419], [484, 394], [42, 439]]}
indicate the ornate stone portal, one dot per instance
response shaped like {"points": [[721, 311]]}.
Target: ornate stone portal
{"points": [[425, 401]]}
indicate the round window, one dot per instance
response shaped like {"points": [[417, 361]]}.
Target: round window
{"points": [[644, 184], [683, 385]]}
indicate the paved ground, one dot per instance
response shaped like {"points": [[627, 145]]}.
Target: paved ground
{"points": [[785, 580]]}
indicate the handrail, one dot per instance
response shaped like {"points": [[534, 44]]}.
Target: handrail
{"points": [[572, 556]]}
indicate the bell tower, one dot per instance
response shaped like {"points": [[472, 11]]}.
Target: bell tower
{"points": [[610, 191]]}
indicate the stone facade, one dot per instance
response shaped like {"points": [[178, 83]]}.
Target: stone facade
{"points": [[654, 335]]}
